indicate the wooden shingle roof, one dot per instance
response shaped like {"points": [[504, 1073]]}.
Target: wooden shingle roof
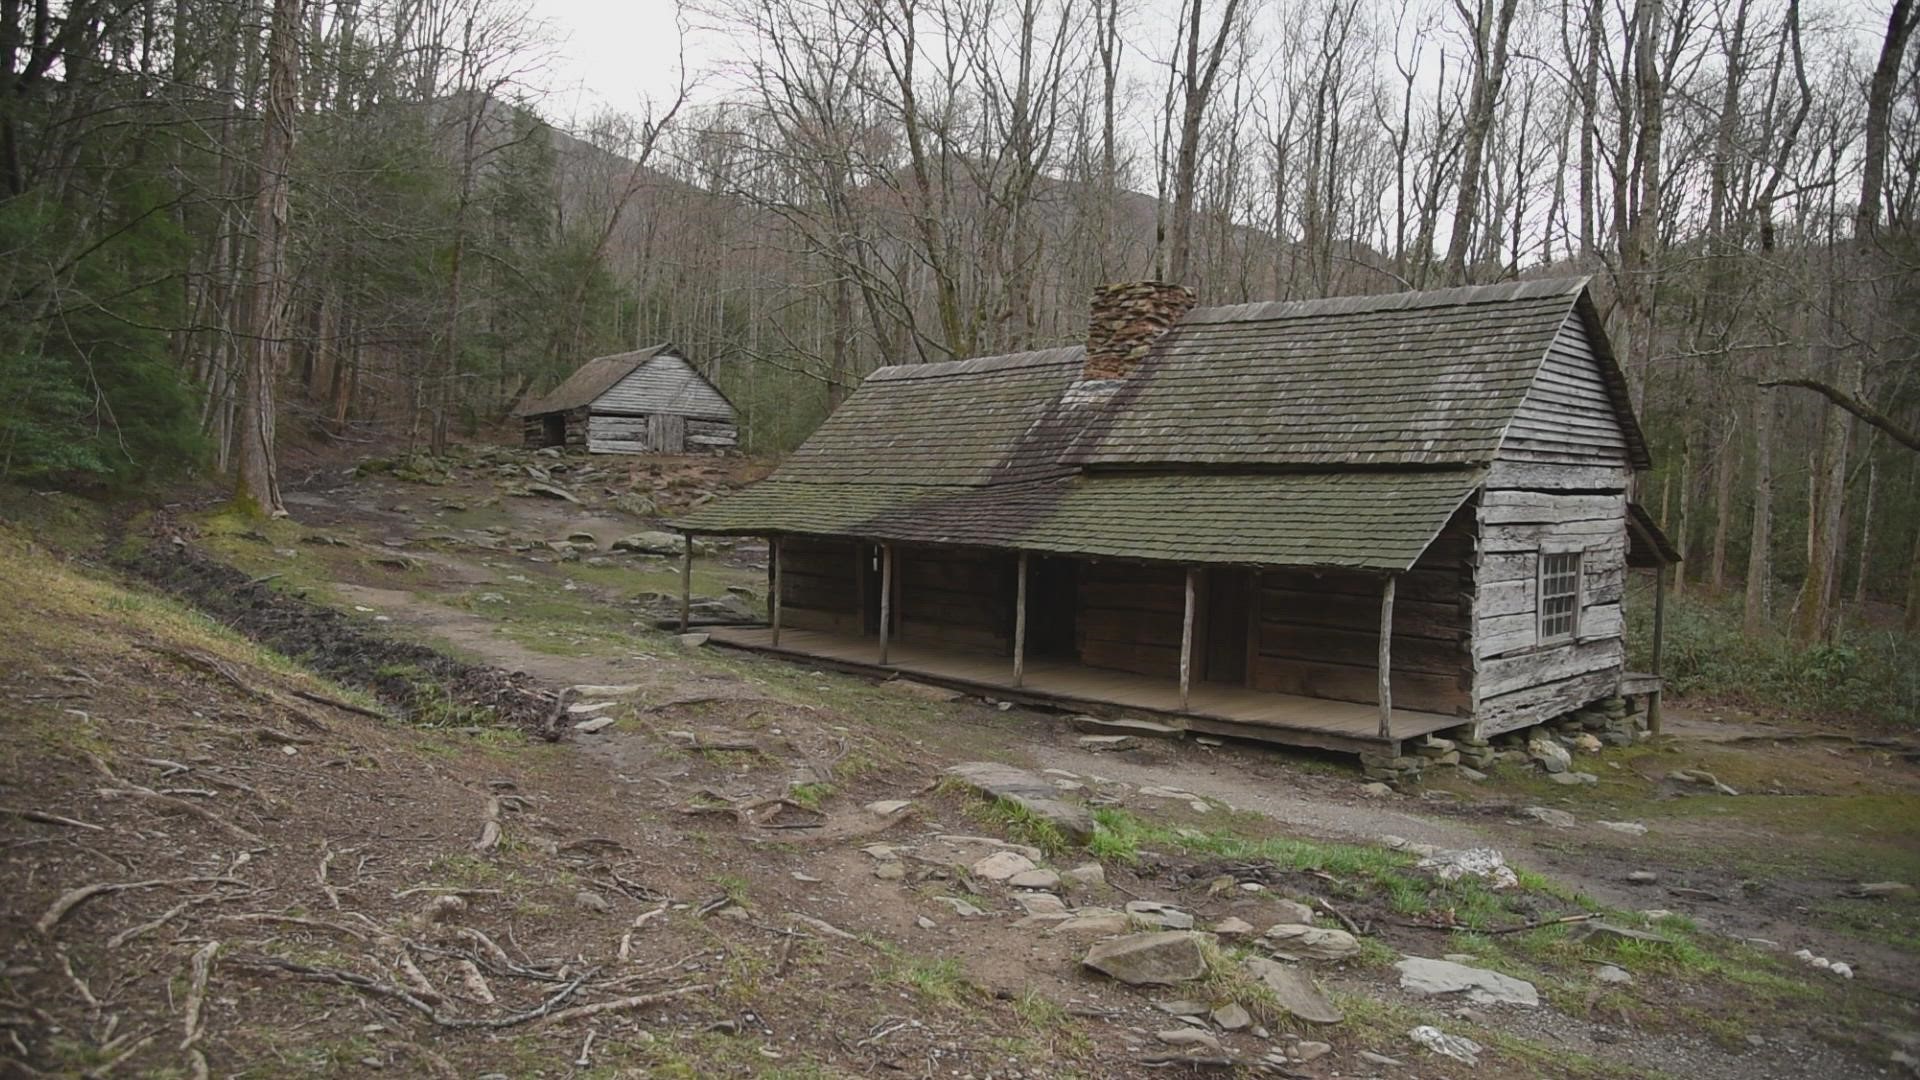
{"points": [[1328, 433], [589, 381]]}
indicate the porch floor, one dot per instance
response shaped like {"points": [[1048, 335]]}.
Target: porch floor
{"points": [[1224, 710]]}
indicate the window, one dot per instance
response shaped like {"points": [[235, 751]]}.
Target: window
{"points": [[1559, 595]]}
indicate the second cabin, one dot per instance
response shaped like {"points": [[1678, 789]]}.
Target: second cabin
{"points": [[649, 401], [1339, 523]]}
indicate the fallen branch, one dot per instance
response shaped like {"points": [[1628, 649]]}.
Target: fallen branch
{"points": [[113, 1063], [376, 988], [295, 920], [1322, 904], [140, 791], [336, 703], [164, 918], [220, 668], [202, 967], [625, 1004], [45, 818], [73, 898]]}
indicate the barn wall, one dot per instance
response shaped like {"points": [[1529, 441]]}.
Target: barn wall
{"points": [[665, 384], [962, 599], [1558, 484], [1319, 633], [820, 585], [624, 434]]}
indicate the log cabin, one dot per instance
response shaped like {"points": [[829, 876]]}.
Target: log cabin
{"points": [[1337, 523], [649, 401]]}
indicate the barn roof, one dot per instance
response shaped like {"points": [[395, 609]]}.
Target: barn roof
{"points": [[590, 380], [1326, 433]]}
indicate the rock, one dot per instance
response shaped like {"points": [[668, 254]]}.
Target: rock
{"points": [[1626, 828], [1473, 774], [1047, 921], [1144, 728], [924, 923], [1551, 755], [1433, 978], [1002, 865], [1546, 815], [650, 543], [1157, 959], [1292, 911], [1188, 1037], [1642, 877], [887, 807], [1297, 941], [1567, 779], [1232, 927], [1700, 776], [552, 492], [1093, 923], [1042, 880], [1607, 973], [1586, 744], [582, 537], [598, 723], [1878, 890], [1375, 790], [1293, 991], [925, 691], [591, 691], [889, 870], [1107, 743], [1040, 903], [1088, 874], [1607, 932], [1029, 791], [691, 641], [960, 907], [588, 900], [1165, 916], [1181, 1007], [1458, 1047], [1232, 1017], [1311, 1051], [1381, 1060], [1472, 862]]}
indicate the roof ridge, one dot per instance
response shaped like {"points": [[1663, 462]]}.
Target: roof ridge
{"points": [[1059, 354], [1456, 296]]}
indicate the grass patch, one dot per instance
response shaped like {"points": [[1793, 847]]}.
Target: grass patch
{"points": [[810, 795], [937, 979], [1022, 824]]}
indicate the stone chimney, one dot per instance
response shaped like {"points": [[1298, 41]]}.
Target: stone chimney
{"points": [[1128, 317]]}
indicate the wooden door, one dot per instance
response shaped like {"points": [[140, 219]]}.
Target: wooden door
{"points": [[1224, 610], [667, 434]]}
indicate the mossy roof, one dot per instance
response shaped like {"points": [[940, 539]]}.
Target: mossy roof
{"points": [[1326, 433]]}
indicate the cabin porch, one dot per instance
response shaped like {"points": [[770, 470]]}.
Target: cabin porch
{"points": [[1212, 708]]}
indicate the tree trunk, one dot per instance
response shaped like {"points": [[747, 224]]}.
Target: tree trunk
{"points": [[1760, 538], [1489, 72], [259, 489], [1814, 619], [1880, 92], [1724, 462], [1198, 89], [1866, 528]]}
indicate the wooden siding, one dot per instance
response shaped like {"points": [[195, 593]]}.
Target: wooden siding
{"points": [[957, 598], [820, 585], [1128, 617], [661, 433], [1567, 417], [1558, 484], [665, 383], [1319, 633]]}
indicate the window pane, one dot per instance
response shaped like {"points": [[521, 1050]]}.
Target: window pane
{"points": [[1559, 594]]}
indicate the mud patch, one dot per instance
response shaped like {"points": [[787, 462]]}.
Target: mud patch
{"points": [[426, 685]]}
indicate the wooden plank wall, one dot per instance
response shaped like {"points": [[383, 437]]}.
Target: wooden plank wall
{"points": [[1559, 482], [957, 598], [1319, 633], [630, 435], [819, 586], [1127, 617]]}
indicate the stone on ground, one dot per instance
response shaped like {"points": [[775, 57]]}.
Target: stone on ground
{"points": [[1002, 865], [889, 870], [1042, 880], [1551, 755], [1232, 927], [1607, 932], [1232, 1017], [1030, 791], [1181, 1007], [598, 723], [1484, 863], [1547, 815], [1607, 973], [1040, 903], [1100, 743], [1123, 726], [1625, 828], [1298, 941], [1292, 911], [1311, 1051], [1088, 874], [1164, 958], [1375, 790], [888, 807], [650, 543], [1431, 978], [1458, 1047], [1092, 923], [1642, 877], [692, 641], [1165, 916], [1293, 991], [1188, 1037], [587, 900]]}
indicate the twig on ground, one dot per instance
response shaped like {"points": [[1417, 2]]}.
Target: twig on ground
{"points": [[585, 1060], [295, 920], [73, 898], [46, 818], [106, 1067], [391, 992], [336, 703], [202, 968], [625, 1004], [1322, 904], [141, 791], [86, 992]]}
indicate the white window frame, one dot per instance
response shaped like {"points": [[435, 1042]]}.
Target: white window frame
{"points": [[1541, 615]]}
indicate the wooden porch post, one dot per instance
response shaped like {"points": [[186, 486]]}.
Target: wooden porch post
{"points": [[686, 586], [1386, 659], [774, 605], [886, 597], [1659, 632], [1020, 624], [1186, 643]]}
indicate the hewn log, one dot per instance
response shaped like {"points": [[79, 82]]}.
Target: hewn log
{"points": [[886, 597], [1659, 635], [1020, 623], [778, 562], [1386, 658], [1186, 642]]}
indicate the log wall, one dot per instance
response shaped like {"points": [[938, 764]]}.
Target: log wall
{"points": [[1127, 617], [1319, 633], [820, 585], [1558, 484], [962, 599]]}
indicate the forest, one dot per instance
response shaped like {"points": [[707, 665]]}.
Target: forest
{"points": [[232, 226]]}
